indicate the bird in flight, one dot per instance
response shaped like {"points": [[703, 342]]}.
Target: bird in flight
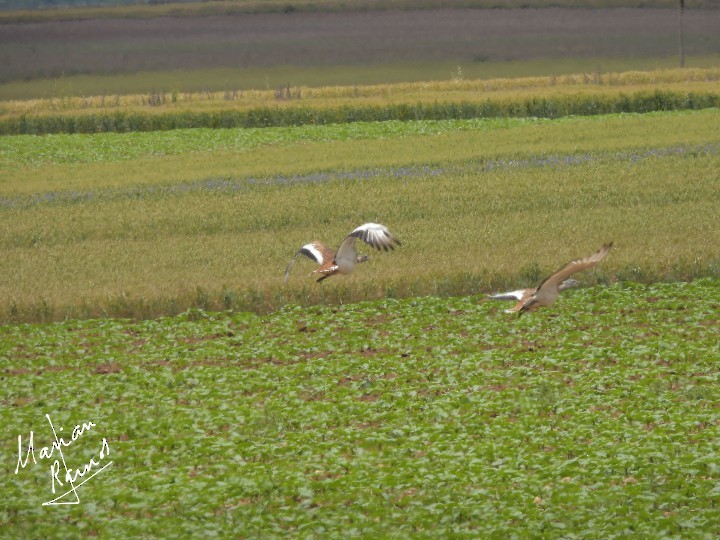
{"points": [[346, 258], [525, 294], [548, 291]]}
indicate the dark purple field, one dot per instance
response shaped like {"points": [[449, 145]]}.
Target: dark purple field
{"points": [[108, 46]]}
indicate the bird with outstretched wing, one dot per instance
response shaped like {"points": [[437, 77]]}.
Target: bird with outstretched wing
{"points": [[346, 258], [548, 291]]}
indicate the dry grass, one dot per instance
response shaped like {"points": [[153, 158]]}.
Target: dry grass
{"points": [[64, 171], [465, 226], [457, 90]]}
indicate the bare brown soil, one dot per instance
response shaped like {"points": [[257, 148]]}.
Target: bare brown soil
{"points": [[105, 46]]}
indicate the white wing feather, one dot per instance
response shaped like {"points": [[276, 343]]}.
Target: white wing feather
{"points": [[373, 234], [510, 295], [313, 251]]}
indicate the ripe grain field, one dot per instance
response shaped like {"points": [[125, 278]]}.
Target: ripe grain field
{"points": [[194, 232]]}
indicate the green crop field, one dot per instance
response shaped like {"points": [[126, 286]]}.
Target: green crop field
{"points": [[417, 415], [421, 417], [160, 165]]}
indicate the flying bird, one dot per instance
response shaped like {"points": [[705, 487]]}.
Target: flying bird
{"points": [[548, 291], [346, 258], [524, 294]]}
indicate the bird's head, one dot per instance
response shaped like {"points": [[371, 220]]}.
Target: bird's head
{"points": [[362, 258]]}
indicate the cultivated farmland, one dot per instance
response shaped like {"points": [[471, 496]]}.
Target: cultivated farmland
{"points": [[399, 418], [145, 230], [267, 50], [211, 221]]}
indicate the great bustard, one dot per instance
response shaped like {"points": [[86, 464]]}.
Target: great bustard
{"points": [[523, 295], [548, 291], [346, 258]]}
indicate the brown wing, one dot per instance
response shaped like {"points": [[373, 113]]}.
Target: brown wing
{"points": [[554, 280], [315, 250], [517, 307]]}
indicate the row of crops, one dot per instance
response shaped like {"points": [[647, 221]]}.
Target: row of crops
{"points": [[541, 107]]}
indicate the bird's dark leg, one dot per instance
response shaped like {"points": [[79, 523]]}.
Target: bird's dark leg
{"points": [[526, 307]]}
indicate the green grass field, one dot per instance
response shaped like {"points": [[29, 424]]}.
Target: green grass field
{"points": [[421, 417], [145, 320]]}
